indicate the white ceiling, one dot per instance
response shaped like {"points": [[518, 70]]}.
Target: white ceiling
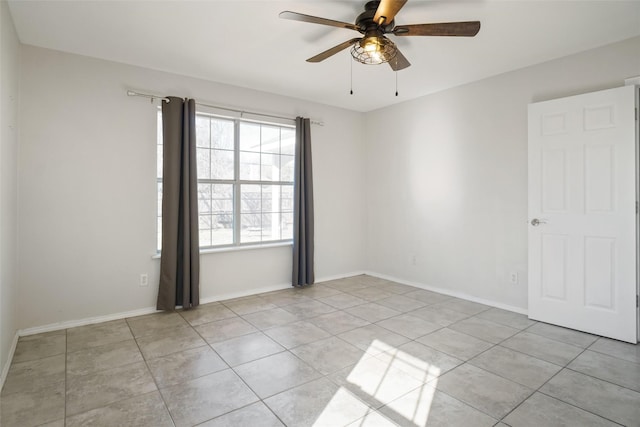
{"points": [[244, 43]]}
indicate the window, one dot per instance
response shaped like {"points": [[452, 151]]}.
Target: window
{"points": [[245, 181]]}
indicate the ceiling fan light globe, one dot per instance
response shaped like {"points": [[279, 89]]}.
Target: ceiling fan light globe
{"points": [[374, 50], [371, 48]]}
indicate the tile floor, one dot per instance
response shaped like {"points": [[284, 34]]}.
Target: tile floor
{"points": [[359, 351]]}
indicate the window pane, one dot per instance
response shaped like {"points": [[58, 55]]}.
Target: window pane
{"points": [[250, 230], [205, 238], [250, 199], [287, 198], [222, 230], [270, 138], [222, 134], [224, 221], [204, 191], [159, 161], [222, 199], [218, 199], [288, 141], [223, 206], [204, 198], [270, 167], [271, 226], [159, 144], [202, 132], [159, 199], [249, 137], [203, 160], [221, 164], [215, 199], [287, 226], [286, 168], [270, 198], [204, 222], [159, 233], [249, 166]]}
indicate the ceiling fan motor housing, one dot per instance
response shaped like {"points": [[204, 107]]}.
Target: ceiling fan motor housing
{"points": [[365, 21]]}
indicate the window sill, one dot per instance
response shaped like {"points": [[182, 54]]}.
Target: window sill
{"points": [[237, 248]]}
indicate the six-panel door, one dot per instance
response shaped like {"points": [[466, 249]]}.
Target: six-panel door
{"points": [[582, 192]]}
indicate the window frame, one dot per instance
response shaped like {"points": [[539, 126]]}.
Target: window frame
{"points": [[236, 184]]}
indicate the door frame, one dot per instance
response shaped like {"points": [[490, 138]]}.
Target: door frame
{"points": [[637, 113]]}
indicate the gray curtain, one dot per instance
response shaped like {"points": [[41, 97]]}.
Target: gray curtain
{"points": [[303, 207], [180, 259]]}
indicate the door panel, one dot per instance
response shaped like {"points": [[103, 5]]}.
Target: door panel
{"points": [[554, 266], [582, 254], [599, 272]]}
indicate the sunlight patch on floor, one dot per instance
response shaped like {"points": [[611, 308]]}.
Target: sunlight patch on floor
{"points": [[342, 406], [384, 379], [412, 365], [415, 406]]}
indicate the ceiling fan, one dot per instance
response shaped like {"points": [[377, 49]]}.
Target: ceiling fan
{"points": [[376, 21]]}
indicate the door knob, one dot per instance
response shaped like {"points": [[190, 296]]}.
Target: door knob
{"points": [[536, 222]]}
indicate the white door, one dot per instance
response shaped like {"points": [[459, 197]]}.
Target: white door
{"points": [[582, 213]]}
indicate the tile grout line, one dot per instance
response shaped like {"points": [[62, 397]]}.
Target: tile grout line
{"points": [[325, 376], [235, 373], [611, 355], [534, 391], [423, 383], [166, 407], [66, 384], [471, 358], [464, 362], [101, 371], [538, 390]]}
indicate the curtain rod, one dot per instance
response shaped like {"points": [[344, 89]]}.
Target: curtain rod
{"points": [[164, 98]]}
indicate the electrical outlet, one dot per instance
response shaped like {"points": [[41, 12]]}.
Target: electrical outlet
{"points": [[144, 280], [513, 278]]}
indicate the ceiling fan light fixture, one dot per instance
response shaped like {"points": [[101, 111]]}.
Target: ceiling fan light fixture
{"points": [[377, 20], [374, 50]]}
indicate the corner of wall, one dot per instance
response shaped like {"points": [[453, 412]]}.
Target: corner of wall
{"points": [[9, 139]]}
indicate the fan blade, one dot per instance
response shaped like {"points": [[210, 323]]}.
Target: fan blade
{"points": [[454, 29], [387, 10], [330, 52], [399, 62], [315, 20]]}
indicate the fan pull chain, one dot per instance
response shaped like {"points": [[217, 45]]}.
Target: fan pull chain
{"points": [[351, 64], [396, 76]]}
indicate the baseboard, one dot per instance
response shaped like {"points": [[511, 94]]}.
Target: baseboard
{"points": [[255, 291], [445, 291], [86, 321], [339, 276], [7, 364], [247, 293]]}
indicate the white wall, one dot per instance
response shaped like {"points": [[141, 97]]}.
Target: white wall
{"points": [[9, 72], [87, 189], [447, 175], [442, 177]]}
